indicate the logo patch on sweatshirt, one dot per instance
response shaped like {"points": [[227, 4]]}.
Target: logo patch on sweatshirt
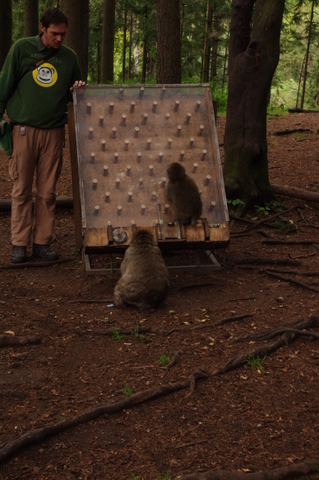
{"points": [[45, 75]]}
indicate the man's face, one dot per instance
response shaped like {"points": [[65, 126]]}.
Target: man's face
{"points": [[53, 36]]}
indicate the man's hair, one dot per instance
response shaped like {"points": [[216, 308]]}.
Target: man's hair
{"points": [[53, 16]]}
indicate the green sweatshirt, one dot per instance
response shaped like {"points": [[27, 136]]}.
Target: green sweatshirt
{"points": [[38, 98]]}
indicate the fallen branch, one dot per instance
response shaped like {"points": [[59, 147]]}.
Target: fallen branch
{"points": [[295, 130], [265, 261], [268, 219], [288, 242], [295, 192], [282, 473], [13, 340], [35, 264], [291, 280], [38, 434]]}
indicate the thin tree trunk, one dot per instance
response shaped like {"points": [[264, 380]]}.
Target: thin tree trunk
{"points": [[168, 42], [77, 36], [144, 51], [207, 42], [215, 41], [107, 74], [31, 16], [129, 75], [124, 44], [5, 30], [307, 56]]}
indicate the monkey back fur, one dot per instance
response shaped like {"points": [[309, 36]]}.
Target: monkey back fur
{"points": [[144, 280], [183, 195]]}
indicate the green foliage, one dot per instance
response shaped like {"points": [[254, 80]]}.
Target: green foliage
{"points": [[127, 392], [256, 362], [117, 335], [285, 227], [220, 94], [165, 359], [137, 334]]}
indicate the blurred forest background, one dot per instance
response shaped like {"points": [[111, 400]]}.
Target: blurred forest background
{"points": [[130, 29]]}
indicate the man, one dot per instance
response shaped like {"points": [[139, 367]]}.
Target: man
{"points": [[35, 85]]}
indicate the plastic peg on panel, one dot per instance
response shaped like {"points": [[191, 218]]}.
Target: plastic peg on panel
{"points": [[117, 183], [88, 108], [167, 116], [212, 206], [179, 129], [197, 106], [188, 117], [166, 208], [201, 130], [113, 132], [129, 196], [126, 144], [94, 183], [144, 118], [142, 91], [160, 157], [103, 145], [143, 208], [148, 144], [140, 182], [107, 197], [128, 170], [92, 158], [123, 122], [154, 193], [163, 182], [181, 155], [195, 165], [204, 153], [138, 157], [132, 107], [154, 107], [119, 209], [191, 141], [101, 120], [105, 171], [136, 130], [151, 170], [177, 102], [90, 133], [96, 209], [169, 143], [207, 180], [116, 157], [111, 107]]}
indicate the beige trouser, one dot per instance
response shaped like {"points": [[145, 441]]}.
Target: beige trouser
{"points": [[38, 150]]}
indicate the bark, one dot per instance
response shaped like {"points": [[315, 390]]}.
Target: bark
{"points": [[169, 68], [5, 30], [78, 30], [107, 73], [207, 42], [253, 58], [31, 14]]}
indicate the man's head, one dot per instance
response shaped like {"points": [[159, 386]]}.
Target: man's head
{"points": [[53, 25]]}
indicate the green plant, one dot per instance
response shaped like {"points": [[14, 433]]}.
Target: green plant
{"points": [[256, 362], [135, 476], [167, 476], [164, 359], [284, 226], [77, 251], [136, 333], [117, 335], [235, 203], [126, 390]]}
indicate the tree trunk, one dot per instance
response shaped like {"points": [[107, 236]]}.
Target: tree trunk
{"points": [[77, 36], [307, 56], [5, 30], [215, 41], [207, 42], [169, 68], [253, 58], [144, 51], [124, 44], [107, 73], [31, 16]]}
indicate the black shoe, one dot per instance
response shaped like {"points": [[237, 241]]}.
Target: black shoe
{"points": [[19, 254], [44, 252]]}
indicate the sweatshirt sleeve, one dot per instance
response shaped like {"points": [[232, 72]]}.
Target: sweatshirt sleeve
{"points": [[8, 78]]}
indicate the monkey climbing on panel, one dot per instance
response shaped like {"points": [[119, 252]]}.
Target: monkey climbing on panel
{"points": [[126, 138]]}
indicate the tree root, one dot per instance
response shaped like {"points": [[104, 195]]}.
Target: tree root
{"points": [[291, 280], [38, 434], [297, 328], [282, 473], [35, 264], [13, 340], [265, 261]]}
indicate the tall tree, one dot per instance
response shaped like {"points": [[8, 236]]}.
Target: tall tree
{"points": [[31, 18], [168, 42], [207, 42], [5, 30], [253, 58], [107, 69], [78, 30]]}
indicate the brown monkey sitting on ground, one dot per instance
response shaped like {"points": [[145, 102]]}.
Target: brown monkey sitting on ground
{"points": [[144, 280], [182, 193]]}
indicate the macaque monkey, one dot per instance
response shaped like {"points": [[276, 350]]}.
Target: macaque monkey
{"points": [[144, 281], [182, 193]]}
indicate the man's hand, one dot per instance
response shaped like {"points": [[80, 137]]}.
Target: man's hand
{"points": [[78, 83]]}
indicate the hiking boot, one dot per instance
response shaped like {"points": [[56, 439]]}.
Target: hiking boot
{"points": [[19, 254], [44, 252]]}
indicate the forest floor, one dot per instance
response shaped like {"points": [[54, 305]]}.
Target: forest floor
{"points": [[100, 374]]}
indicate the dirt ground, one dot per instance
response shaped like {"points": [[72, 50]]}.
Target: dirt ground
{"points": [[254, 405]]}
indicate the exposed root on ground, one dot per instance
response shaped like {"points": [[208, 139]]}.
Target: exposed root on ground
{"points": [[16, 340]]}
